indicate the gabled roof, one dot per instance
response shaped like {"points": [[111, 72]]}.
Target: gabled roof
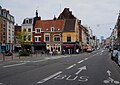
{"points": [[69, 25], [46, 25]]}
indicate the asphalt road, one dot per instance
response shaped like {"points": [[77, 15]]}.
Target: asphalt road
{"points": [[94, 68]]}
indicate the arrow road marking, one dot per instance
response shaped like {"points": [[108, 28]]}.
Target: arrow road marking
{"points": [[71, 66], [109, 72], [50, 77], [80, 69]]}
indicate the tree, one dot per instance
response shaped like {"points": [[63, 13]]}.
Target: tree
{"points": [[23, 38]]}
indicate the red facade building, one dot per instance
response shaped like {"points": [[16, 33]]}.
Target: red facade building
{"points": [[47, 35]]}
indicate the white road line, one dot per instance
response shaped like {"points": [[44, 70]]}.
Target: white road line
{"points": [[71, 66], [13, 65], [39, 60], [1, 83], [80, 61], [85, 58], [50, 77]]}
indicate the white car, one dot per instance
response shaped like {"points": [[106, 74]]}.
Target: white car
{"points": [[114, 55], [118, 59]]}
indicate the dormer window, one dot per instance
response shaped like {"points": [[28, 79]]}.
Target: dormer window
{"points": [[37, 30], [27, 21], [52, 29]]}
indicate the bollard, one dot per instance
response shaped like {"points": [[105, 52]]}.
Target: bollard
{"points": [[3, 57], [12, 57]]}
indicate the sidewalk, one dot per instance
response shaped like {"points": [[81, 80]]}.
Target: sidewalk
{"points": [[16, 57]]}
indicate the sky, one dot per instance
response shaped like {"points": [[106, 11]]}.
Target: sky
{"points": [[99, 15]]}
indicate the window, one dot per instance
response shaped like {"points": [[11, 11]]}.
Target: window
{"points": [[24, 30], [56, 38], [68, 38], [24, 38], [52, 29], [29, 37], [27, 21], [38, 30], [47, 38], [29, 29], [37, 38]]}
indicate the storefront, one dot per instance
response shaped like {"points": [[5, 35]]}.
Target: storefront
{"points": [[56, 47], [38, 46], [5, 47], [71, 48]]}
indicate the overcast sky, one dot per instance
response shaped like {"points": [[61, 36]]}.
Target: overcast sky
{"points": [[100, 15]]}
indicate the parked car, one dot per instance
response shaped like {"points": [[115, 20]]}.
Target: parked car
{"points": [[118, 58], [89, 50], [8, 53], [114, 54]]}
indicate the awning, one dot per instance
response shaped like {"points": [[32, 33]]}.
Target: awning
{"points": [[70, 46]]}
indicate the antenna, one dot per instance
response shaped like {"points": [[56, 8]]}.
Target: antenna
{"points": [[60, 5]]}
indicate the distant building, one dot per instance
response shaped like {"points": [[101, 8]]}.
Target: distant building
{"points": [[70, 37], [66, 14], [27, 28], [7, 37], [17, 41], [47, 35]]}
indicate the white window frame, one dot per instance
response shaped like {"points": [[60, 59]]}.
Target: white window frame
{"points": [[52, 29], [36, 30], [45, 37], [54, 37], [37, 38]]}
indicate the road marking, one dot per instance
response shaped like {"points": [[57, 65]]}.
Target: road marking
{"points": [[80, 61], [1, 83], [109, 73], [39, 60], [71, 66], [110, 80], [85, 58], [50, 77], [13, 65], [71, 79], [80, 69]]}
